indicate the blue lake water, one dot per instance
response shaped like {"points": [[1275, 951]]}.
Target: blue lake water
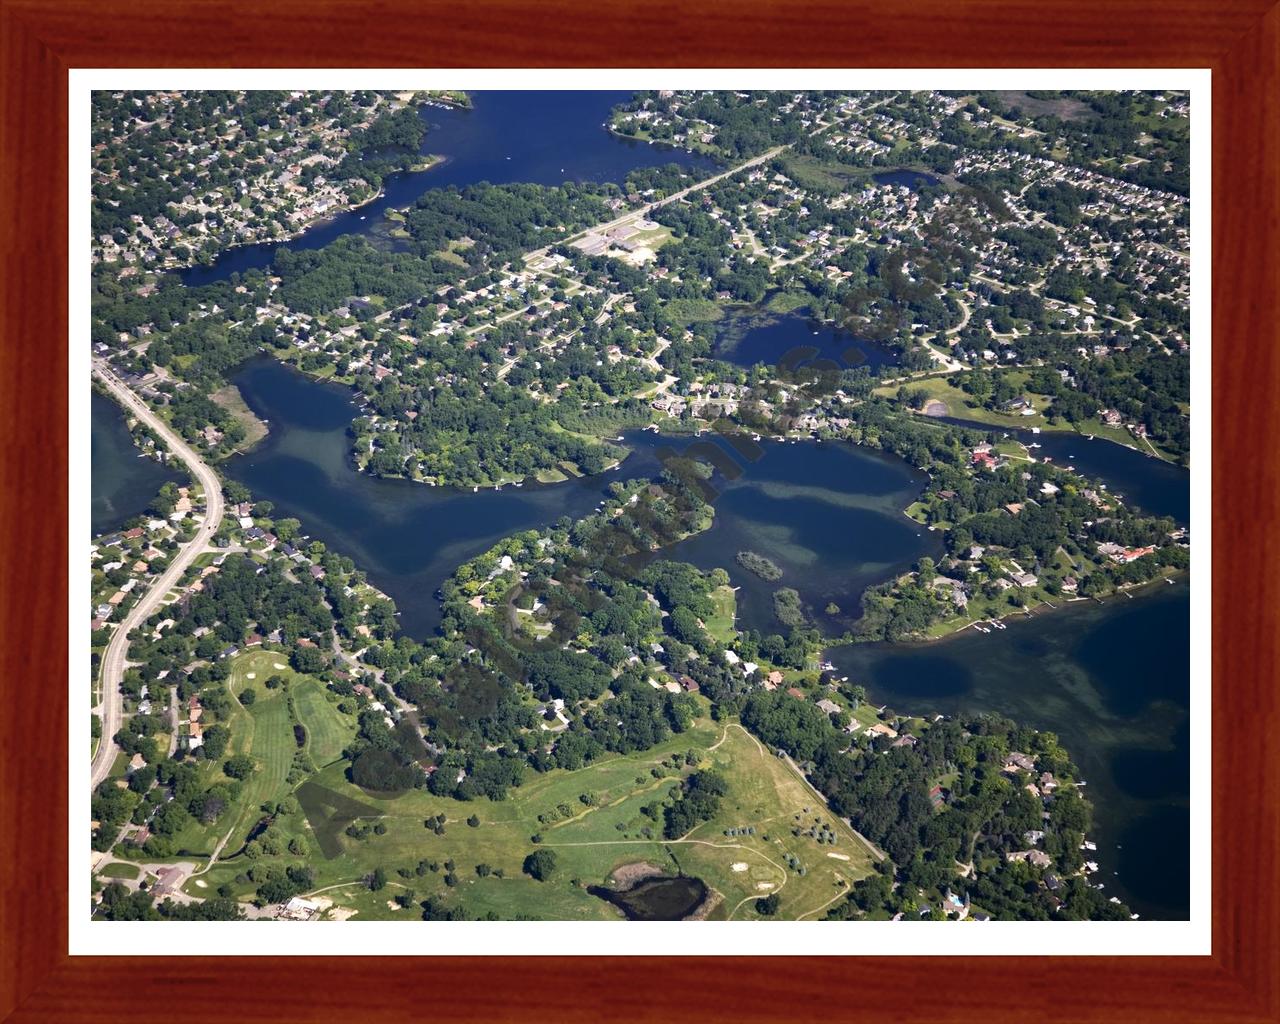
{"points": [[828, 514], [546, 138], [121, 484], [1113, 681]]}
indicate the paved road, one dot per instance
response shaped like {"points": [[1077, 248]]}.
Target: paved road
{"points": [[113, 659], [626, 218]]}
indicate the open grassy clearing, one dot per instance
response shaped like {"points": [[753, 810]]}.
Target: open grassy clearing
{"points": [[654, 238], [824, 175], [685, 312], [720, 623], [1066, 108], [767, 794], [592, 818], [788, 302], [502, 839], [229, 398], [118, 869], [328, 729], [961, 405]]}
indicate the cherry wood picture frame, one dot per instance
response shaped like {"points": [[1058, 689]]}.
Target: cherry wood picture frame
{"points": [[41, 39]]}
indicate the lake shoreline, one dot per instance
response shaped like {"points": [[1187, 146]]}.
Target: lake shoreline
{"points": [[429, 162], [643, 878], [1129, 589], [1110, 680], [947, 415], [256, 430]]}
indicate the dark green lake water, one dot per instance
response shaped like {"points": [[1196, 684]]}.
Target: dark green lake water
{"points": [[747, 336], [656, 899]]}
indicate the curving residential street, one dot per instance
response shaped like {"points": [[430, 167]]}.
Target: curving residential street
{"points": [[114, 658]]}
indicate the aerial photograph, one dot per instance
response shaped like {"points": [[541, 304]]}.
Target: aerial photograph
{"points": [[661, 505]]}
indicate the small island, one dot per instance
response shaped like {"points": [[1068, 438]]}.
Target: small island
{"points": [[763, 567], [787, 607]]}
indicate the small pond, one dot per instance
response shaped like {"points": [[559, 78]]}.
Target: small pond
{"points": [[656, 899]]}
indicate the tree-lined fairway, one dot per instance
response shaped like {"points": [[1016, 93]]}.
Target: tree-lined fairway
{"points": [[593, 820], [264, 731], [328, 729]]}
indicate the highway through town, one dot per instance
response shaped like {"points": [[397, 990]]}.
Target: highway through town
{"points": [[114, 658]]}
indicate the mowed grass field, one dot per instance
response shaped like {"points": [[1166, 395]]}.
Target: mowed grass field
{"points": [[766, 793], [328, 729], [720, 624], [590, 837], [963, 406]]}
